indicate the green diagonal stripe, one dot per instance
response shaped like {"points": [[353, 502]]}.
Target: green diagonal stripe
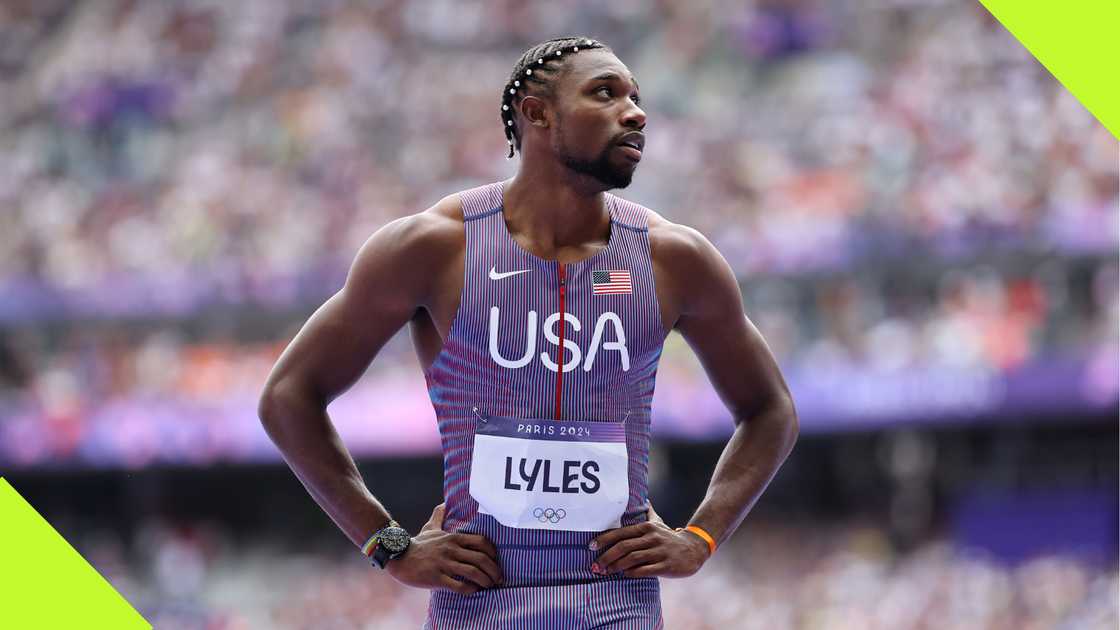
{"points": [[45, 583], [1077, 41]]}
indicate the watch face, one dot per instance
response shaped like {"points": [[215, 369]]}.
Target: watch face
{"points": [[394, 539]]}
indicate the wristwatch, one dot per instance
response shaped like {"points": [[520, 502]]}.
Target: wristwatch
{"points": [[389, 542]]}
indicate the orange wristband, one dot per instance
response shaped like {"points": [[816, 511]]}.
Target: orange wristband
{"points": [[695, 529]]}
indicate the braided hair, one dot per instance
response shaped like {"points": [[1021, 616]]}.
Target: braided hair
{"points": [[539, 65]]}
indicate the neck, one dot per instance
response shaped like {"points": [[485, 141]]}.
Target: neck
{"points": [[549, 209]]}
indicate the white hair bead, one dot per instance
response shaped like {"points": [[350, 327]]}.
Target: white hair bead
{"points": [[575, 48], [517, 83], [505, 108], [509, 123], [557, 53], [528, 71], [512, 91], [540, 60]]}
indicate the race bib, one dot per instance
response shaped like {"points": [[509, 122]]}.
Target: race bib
{"points": [[545, 474]]}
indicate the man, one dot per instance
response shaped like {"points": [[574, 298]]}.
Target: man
{"points": [[538, 307]]}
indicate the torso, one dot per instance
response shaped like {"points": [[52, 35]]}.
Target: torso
{"points": [[431, 324]]}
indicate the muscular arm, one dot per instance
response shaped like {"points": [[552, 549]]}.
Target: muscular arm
{"points": [[701, 288], [746, 377], [392, 276], [383, 289]]}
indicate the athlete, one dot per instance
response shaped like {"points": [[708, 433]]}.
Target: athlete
{"points": [[538, 307]]}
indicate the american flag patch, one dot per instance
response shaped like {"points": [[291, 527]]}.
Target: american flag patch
{"points": [[610, 282]]}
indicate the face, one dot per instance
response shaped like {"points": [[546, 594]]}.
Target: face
{"points": [[597, 119]]}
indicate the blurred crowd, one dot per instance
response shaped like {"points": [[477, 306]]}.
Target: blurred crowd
{"points": [[834, 577], [922, 220], [907, 196], [106, 396], [242, 151]]}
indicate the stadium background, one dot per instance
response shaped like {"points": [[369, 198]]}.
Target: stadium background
{"points": [[924, 224]]}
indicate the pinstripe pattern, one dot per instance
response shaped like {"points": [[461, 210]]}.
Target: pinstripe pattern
{"points": [[549, 583]]}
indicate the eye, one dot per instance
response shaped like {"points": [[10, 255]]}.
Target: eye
{"points": [[609, 93]]}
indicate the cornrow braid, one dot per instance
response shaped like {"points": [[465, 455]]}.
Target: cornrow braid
{"points": [[539, 66]]}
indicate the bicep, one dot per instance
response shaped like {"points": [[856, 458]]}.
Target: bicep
{"points": [[383, 289], [732, 351]]}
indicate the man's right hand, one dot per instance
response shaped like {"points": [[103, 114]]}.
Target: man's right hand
{"points": [[438, 559]]}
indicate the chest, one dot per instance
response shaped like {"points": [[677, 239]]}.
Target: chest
{"points": [[516, 312]]}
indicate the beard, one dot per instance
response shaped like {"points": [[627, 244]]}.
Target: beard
{"points": [[600, 168]]}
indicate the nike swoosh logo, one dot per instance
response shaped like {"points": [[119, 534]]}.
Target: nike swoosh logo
{"points": [[494, 275]]}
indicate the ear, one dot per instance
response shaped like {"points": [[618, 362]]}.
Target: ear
{"points": [[535, 111]]}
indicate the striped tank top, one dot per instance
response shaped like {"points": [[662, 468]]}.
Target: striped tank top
{"points": [[507, 354]]}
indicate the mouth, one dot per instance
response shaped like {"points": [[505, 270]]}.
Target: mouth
{"points": [[632, 145], [631, 152]]}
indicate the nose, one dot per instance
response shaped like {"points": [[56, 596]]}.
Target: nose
{"points": [[634, 117]]}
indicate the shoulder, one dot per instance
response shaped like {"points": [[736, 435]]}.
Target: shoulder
{"points": [[429, 232], [693, 273], [667, 240], [440, 226], [436, 226], [679, 243], [413, 248]]}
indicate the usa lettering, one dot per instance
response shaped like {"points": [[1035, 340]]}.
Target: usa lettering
{"points": [[570, 476], [606, 320]]}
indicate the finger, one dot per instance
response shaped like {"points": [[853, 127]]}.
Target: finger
{"points": [[478, 543], [470, 572], [435, 521], [612, 536], [460, 587], [608, 559], [648, 570], [637, 559], [482, 561]]}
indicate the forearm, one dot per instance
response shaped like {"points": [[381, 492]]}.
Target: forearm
{"points": [[305, 436], [750, 460]]}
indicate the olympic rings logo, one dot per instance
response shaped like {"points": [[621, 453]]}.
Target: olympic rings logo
{"points": [[549, 515]]}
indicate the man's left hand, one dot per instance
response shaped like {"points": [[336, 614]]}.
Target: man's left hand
{"points": [[649, 549]]}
